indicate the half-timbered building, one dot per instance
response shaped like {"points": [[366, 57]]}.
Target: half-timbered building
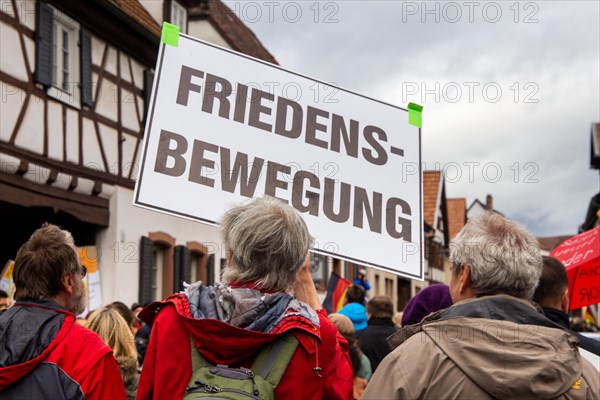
{"points": [[75, 77]]}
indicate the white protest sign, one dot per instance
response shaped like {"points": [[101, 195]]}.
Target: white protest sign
{"points": [[224, 127]]}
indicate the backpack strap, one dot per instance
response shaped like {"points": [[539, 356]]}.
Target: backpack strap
{"points": [[273, 359], [197, 361]]}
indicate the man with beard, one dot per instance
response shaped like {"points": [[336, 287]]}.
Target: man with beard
{"points": [[44, 354]]}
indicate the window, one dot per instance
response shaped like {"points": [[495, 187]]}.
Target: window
{"points": [[156, 277], [63, 56], [389, 287], [179, 16], [65, 61]]}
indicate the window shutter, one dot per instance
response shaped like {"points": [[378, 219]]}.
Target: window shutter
{"points": [[148, 80], [146, 262], [44, 26], [182, 270], [85, 48], [210, 274]]}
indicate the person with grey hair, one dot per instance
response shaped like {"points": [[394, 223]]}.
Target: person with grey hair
{"points": [[493, 343], [267, 300]]}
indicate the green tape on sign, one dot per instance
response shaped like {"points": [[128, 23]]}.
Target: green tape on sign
{"points": [[170, 34], [414, 115]]}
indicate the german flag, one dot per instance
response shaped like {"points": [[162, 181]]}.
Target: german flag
{"points": [[336, 293]]}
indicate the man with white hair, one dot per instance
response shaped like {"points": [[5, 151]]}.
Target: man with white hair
{"points": [[202, 338], [493, 343]]}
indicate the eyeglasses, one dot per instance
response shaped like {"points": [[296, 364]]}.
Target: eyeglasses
{"points": [[83, 271]]}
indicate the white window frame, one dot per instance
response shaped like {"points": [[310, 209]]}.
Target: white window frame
{"points": [[68, 92], [157, 273], [179, 16]]}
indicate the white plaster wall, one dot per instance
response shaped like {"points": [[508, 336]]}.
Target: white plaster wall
{"points": [[138, 74], [107, 104], [119, 244], [128, 147], [92, 157], [110, 142], [111, 61], [72, 137], [124, 67], [204, 30], [129, 117], [14, 65], [31, 132], [55, 131], [98, 46], [155, 8], [11, 101], [25, 12], [475, 211]]}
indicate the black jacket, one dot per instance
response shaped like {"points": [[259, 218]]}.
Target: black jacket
{"points": [[372, 339], [562, 319]]}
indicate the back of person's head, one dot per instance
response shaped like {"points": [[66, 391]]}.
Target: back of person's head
{"points": [[124, 311], [114, 331], [381, 307], [503, 257], [553, 283], [355, 294], [431, 299], [3, 294], [42, 261], [267, 241], [346, 328], [343, 323]]}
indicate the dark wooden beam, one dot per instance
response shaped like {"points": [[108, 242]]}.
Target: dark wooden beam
{"points": [[17, 190]]}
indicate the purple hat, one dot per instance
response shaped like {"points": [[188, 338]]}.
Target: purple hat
{"points": [[431, 299]]}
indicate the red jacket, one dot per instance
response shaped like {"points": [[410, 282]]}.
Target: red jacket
{"points": [[168, 366], [74, 362]]}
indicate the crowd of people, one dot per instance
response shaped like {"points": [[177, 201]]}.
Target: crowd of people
{"points": [[500, 329]]}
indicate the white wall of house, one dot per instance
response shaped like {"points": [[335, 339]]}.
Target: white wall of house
{"points": [[118, 245], [155, 8], [475, 210], [205, 31]]}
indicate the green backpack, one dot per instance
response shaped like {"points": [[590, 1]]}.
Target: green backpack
{"points": [[210, 381]]}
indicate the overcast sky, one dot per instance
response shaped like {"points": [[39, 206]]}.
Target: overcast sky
{"points": [[507, 88]]}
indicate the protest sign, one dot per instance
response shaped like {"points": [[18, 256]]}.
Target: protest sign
{"points": [[224, 127]]}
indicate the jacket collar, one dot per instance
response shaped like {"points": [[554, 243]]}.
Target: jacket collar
{"points": [[496, 307]]}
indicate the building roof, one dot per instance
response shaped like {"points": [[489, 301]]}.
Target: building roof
{"points": [[457, 215], [222, 18], [138, 13], [549, 243], [431, 191], [234, 31]]}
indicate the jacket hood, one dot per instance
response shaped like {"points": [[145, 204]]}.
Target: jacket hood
{"points": [[29, 331], [505, 346], [357, 314], [229, 325]]}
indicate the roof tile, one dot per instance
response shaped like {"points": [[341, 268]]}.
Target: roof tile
{"points": [[457, 215], [431, 188]]}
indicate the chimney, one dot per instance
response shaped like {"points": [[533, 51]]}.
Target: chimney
{"points": [[489, 202]]}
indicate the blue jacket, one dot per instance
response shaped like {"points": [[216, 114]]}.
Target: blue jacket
{"points": [[357, 314]]}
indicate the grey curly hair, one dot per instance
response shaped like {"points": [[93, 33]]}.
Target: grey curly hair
{"points": [[502, 255], [268, 242]]}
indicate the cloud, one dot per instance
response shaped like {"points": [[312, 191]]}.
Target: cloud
{"points": [[537, 126]]}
